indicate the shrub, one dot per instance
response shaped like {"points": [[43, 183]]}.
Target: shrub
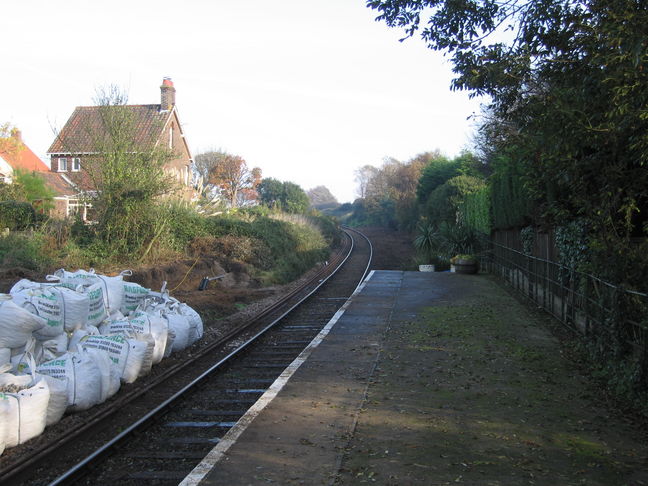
{"points": [[17, 216], [184, 224], [281, 247], [27, 251]]}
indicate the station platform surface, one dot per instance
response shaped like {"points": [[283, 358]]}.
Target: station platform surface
{"points": [[300, 434], [432, 379]]}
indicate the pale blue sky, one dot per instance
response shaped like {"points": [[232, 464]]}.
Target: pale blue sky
{"points": [[308, 90]]}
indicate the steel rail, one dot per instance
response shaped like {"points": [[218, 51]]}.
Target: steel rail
{"points": [[364, 275], [77, 470], [16, 468]]}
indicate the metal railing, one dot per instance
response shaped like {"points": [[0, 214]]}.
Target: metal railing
{"points": [[612, 316]]}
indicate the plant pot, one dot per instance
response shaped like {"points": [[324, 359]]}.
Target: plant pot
{"points": [[426, 268], [465, 266]]}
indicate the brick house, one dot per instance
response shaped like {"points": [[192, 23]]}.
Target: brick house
{"points": [[75, 147], [21, 157]]}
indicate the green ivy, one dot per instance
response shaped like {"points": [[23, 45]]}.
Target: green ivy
{"points": [[573, 244], [527, 235]]}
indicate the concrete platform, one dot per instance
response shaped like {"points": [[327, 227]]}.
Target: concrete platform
{"points": [[431, 379], [297, 432]]}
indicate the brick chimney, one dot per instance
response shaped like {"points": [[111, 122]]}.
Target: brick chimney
{"points": [[167, 98]]}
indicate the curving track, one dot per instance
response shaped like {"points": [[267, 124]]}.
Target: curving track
{"points": [[161, 444]]}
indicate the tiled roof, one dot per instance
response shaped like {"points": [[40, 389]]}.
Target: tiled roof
{"points": [[58, 183], [85, 125], [25, 159]]}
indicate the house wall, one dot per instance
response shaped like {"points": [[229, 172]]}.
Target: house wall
{"points": [[54, 163], [60, 208], [5, 169], [80, 178], [180, 166]]}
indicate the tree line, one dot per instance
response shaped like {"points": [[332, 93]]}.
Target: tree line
{"points": [[563, 140]]}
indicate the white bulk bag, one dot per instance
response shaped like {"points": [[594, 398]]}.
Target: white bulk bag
{"points": [[140, 358], [20, 357], [141, 323], [16, 323], [112, 287], [76, 307], [58, 387], [52, 348], [170, 340], [62, 308], [181, 329], [86, 283], [147, 359], [110, 377], [83, 379], [5, 356], [174, 305], [194, 319], [79, 334], [130, 356], [134, 294], [27, 408], [73, 279], [114, 290], [165, 305], [5, 414], [116, 346], [97, 311], [58, 399]]}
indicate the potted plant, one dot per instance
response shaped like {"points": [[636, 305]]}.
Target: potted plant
{"points": [[426, 244], [464, 263]]}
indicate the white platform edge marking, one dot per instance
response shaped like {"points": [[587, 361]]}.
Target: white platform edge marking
{"points": [[216, 454]]}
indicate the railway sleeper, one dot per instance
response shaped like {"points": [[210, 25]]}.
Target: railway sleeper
{"points": [[268, 365], [191, 424], [194, 440], [175, 454]]}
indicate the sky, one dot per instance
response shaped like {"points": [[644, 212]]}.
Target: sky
{"points": [[307, 90]]}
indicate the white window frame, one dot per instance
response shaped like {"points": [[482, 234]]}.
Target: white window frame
{"points": [[76, 205], [171, 136], [62, 164], [76, 164]]}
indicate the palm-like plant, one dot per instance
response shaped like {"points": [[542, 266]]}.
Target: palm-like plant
{"points": [[427, 242]]}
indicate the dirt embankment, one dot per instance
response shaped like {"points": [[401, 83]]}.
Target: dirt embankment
{"points": [[237, 289]]}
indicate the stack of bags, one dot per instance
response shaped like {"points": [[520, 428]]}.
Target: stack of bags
{"points": [[69, 343]]}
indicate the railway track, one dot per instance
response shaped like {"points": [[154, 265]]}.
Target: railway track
{"points": [[202, 399]]}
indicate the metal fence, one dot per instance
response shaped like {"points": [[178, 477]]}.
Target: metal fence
{"points": [[612, 317]]}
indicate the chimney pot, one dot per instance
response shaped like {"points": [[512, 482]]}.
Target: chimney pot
{"points": [[167, 95]]}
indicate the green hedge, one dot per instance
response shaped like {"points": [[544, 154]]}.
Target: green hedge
{"points": [[475, 210], [511, 203]]}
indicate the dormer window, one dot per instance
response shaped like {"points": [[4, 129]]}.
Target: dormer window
{"points": [[62, 164], [76, 164]]}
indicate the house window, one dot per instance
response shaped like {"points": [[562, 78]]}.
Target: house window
{"points": [[78, 206], [76, 164], [171, 137], [62, 165]]}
